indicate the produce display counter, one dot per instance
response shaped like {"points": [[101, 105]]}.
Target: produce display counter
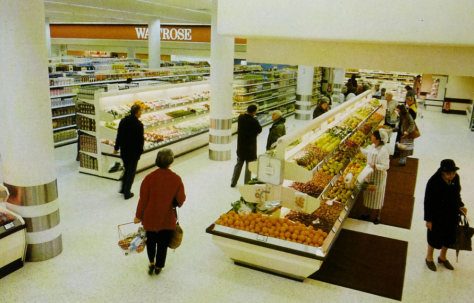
{"points": [[294, 240], [12, 238]]}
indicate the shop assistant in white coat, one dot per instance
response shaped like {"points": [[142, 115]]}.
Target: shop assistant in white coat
{"points": [[378, 159]]}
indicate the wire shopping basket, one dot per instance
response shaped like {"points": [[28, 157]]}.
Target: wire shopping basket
{"points": [[131, 239]]}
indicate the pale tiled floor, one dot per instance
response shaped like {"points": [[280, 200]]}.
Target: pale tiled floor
{"points": [[93, 269]]}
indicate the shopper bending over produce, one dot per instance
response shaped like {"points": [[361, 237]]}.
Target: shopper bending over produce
{"points": [[443, 204], [159, 190], [277, 130], [322, 107], [378, 159], [405, 127]]}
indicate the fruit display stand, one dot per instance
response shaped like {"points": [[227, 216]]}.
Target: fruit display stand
{"points": [[274, 254], [174, 116], [270, 91]]}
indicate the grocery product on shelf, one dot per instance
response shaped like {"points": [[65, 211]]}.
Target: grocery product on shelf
{"points": [[88, 144], [86, 123], [88, 162], [64, 135], [147, 106], [315, 187], [281, 228], [64, 122], [62, 111], [86, 108], [60, 102]]}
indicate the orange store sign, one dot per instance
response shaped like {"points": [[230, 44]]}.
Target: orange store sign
{"points": [[181, 33]]}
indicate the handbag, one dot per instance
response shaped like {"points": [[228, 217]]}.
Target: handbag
{"points": [[464, 234], [415, 133], [177, 236]]}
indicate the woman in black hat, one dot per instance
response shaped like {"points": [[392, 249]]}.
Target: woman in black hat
{"points": [[442, 207]]}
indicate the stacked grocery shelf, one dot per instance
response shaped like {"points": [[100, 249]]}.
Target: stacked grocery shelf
{"points": [[299, 251], [268, 90], [318, 71], [394, 80], [64, 89], [172, 114], [63, 111]]}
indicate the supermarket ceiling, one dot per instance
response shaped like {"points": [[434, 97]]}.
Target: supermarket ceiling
{"points": [[128, 11]]}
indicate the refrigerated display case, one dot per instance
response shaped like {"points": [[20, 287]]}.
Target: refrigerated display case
{"points": [[12, 238]]}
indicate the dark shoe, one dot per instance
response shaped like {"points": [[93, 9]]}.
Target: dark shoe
{"points": [[402, 162], [446, 264], [129, 196], [157, 270], [121, 192], [431, 265], [364, 217], [376, 221], [150, 269], [232, 185]]}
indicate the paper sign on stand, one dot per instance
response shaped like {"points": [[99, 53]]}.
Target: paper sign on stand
{"points": [[112, 87], [300, 201]]}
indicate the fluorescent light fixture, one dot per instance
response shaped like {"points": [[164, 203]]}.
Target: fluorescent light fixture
{"points": [[58, 12], [114, 10], [173, 6]]}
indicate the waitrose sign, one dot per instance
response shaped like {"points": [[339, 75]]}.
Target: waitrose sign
{"points": [[167, 34], [178, 33]]}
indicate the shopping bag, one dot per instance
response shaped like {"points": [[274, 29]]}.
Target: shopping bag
{"points": [[464, 234], [177, 236]]}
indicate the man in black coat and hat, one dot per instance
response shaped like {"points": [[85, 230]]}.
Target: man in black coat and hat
{"points": [[443, 204], [130, 141], [248, 129]]}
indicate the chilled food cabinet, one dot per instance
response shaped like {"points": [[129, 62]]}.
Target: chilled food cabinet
{"points": [[12, 239]]}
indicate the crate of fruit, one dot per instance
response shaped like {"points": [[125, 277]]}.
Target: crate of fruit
{"points": [[130, 238]]}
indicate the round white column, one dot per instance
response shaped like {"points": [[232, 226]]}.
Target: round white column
{"points": [[154, 44], [26, 134], [304, 92], [338, 83], [131, 52], [222, 77], [48, 37]]}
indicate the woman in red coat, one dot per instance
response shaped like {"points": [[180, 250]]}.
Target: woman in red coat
{"points": [[155, 208]]}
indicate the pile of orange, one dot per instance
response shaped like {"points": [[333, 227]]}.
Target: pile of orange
{"points": [[283, 229]]}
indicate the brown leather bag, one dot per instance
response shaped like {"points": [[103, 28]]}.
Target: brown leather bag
{"points": [[415, 133]]}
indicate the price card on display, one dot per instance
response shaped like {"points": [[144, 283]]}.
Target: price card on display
{"points": [[9, 225], [300, 201], [324, 126], [352, 196], [112, 87], [340, 219], [346, 208], [334, 229], [262, 238]]}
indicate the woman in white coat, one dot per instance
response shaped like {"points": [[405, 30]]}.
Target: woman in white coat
{"points": [[378, 160]]}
